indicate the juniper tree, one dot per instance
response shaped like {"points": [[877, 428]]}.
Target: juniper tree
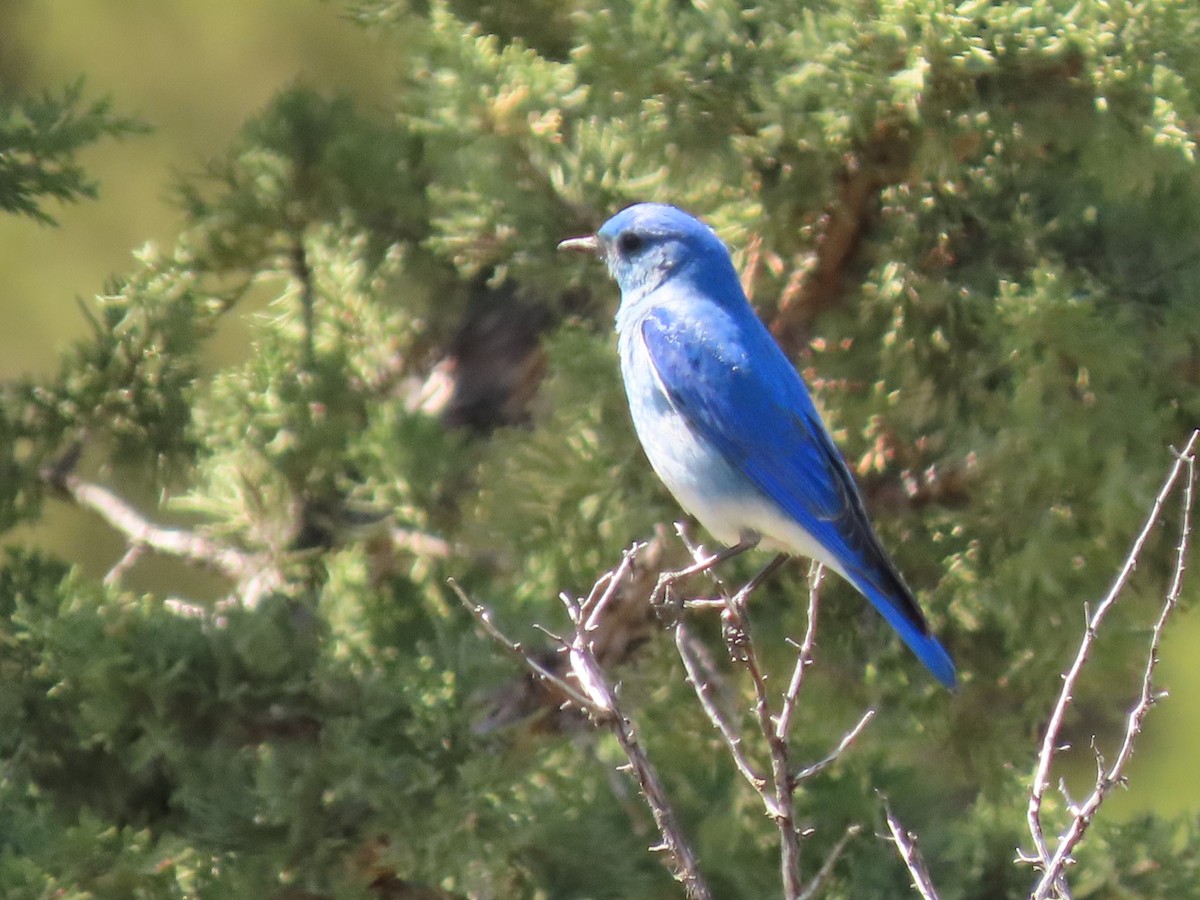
{"points": [[972, 227]]}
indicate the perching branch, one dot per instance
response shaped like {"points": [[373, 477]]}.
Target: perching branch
{"points": [[1053, 863], [577, 679], [778, 790]]}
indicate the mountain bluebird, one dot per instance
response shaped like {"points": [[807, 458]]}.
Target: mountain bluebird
{"points": [[725, 419]]}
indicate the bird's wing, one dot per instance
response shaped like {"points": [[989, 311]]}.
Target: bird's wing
{"points": [[743, 396], [735, 387]]}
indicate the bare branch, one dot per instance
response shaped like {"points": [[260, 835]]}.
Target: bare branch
{"points": [[626, 623], [906, 845], [253, 574], [598, 699], [780, 802], [778, 791], [139, 531], [578, 677], [778, 794], [593, 607], [1053, 864], [701, 563]]}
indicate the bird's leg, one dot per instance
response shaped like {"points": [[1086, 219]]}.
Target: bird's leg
{"points": [[734, 623], [662, 594], [768, 570]]}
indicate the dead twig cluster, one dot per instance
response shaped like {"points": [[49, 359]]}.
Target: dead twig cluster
{"points": [[582, 683], [1053, 863], [1053, 858]]}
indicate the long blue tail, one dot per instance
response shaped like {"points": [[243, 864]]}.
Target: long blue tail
{"points": [[918, 638]]}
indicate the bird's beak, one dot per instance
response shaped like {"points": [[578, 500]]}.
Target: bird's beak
{"points": [[585, 244]]}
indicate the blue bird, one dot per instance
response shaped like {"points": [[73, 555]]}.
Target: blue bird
{"points": [[725, 419]]}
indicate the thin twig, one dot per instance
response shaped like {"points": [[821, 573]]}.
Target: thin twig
{"points": [[804, 658], [823, 873], [483, 616], [701, 563], [121, 567], [778, 798], [843, 745], [593, 607], [906, 844], [703, 688], [778, 791], [782, 804], [1053, 879]]}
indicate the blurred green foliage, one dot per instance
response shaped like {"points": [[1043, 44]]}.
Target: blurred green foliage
{"points": [[41, 138], [1006, 345]]}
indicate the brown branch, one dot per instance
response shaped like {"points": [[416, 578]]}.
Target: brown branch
{"points": [[818, 285], [253, 574], [1053, 864]]}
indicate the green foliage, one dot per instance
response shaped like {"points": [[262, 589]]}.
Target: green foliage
{"points": [[985, 214], [39, 139], [564, 501]]}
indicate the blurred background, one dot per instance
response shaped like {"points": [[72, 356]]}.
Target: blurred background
{"points": [[194, 71]]}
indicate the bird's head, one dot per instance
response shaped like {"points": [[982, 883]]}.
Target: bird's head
{"points": [[646, 244]]}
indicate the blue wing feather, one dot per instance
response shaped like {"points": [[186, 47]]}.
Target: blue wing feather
{"points": [[735, 387]]}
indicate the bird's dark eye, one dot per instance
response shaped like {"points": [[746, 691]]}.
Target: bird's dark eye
{"points": [[629, 243]]}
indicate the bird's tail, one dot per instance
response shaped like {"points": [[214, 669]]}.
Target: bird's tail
{"points": [[915, 634]]}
